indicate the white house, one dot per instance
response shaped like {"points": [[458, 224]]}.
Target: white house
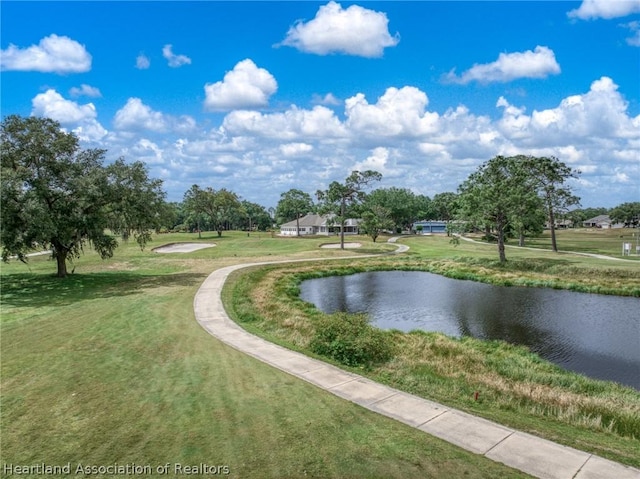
{"points": [[600, 221], [312, 224]]}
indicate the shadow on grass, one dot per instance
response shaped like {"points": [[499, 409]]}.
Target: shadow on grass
{"points": [[32, 290]]}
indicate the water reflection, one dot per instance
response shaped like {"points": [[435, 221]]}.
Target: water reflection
{"points": [[592, 334]]}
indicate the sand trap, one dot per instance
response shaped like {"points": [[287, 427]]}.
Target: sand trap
{"points": [[337, 245], [182, 247]]}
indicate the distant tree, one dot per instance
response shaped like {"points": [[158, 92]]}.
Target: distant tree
{"points": [[293, 204], [492, 196], [193, 204], [256, 215], [445, 206], [56, 196], [578, 215], [339, 198], [626, 213], [376, 220], [549, 176], [140, 201], [423, 209], [172, 215], [528, 219], [221, 206], [404, 206]]}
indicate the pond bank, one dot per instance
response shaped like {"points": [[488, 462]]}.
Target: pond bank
{"points": [[572, 330], [524, 452], [516, 387]]}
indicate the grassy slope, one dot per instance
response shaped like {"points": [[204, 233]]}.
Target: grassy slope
{"points": [[109, 366]]}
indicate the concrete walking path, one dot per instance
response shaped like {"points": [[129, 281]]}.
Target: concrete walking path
{"points": [[535, 456]]}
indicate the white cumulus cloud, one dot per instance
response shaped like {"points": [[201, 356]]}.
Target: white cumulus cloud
{"points": [[599, 113], [590, 9], [295, 149], [328, 99], [634, 39], [57, 54], [85, 90], [246, 86], [320, 123], [539, 63], [381, 161], [352, 31], [81, 119], [142, 62], [397, 113], [174, 60], [147, 151], [135, 115]]}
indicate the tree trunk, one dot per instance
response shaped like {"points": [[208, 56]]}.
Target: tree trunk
{"points": [[521, 240], [61, 259], [297, 224], [552, 226], [501, 253], [342, 222]]}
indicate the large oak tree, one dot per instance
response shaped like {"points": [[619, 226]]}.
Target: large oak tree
{"points": [[492, 197], [58, 196]]}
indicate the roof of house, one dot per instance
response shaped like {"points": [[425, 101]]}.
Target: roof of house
{"points": [[305, 221], [317, 220], [599, 219]]}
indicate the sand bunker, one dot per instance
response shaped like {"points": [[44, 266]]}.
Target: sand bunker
{"points": [[337, 245], [182, 247]]}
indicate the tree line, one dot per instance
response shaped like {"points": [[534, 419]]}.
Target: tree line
{"points": [[58, 196]]}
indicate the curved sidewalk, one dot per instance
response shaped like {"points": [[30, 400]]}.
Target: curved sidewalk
{"points": [[527, 453]]}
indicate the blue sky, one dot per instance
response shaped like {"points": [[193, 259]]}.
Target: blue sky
{"points": [[262, 97]]}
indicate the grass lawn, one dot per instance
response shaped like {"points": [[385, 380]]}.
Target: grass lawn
{"points": [[108, 366], [590, 240]]}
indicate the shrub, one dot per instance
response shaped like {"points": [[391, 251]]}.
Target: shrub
{"points": [[351, 340]]}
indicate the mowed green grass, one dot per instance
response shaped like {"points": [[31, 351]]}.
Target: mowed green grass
{"points": [[109, 366], [591, 240]]}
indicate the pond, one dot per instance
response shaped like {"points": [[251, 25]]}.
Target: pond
{"points": [[596, 335]]}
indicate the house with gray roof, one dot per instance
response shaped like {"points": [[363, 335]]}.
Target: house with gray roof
{"points": [[600, 221], [313, 224]]}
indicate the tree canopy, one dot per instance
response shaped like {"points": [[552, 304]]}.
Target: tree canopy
{"points": [[404, 207], [626, 213], [58, 196], [548, 176], [512, 192], [340, 198], [493, 196], [293, 204], [256, 215], [375, 220]]}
